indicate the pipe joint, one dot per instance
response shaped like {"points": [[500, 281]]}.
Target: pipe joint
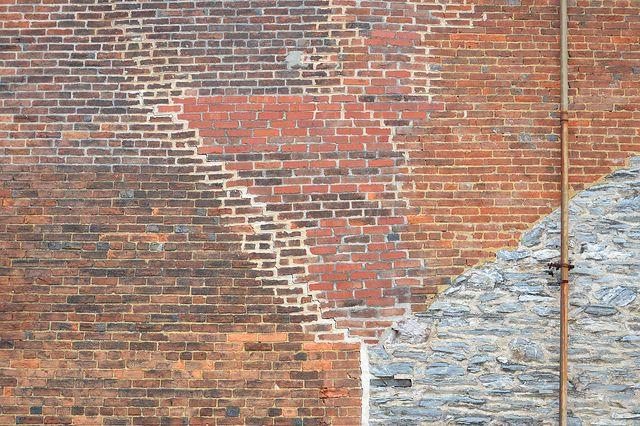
{"points": [[564, 116]]}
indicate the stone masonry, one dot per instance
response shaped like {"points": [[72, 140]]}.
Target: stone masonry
{"points": [[486, 351]]}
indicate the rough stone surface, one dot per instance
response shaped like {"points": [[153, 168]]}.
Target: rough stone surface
{"points": [[491, 356]]}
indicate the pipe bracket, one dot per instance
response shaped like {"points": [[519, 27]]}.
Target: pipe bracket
{"points": [[558, 265], [564, 116]]}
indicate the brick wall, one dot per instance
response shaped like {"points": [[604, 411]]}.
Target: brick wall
{"points": [[186, 182], [127, 298], [139, 284], [439, 146]]}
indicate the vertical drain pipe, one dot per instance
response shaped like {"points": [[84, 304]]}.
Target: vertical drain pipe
{"points": [[564, 209]]}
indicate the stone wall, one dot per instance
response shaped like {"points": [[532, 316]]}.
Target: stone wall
{"points": [[486, 351]]}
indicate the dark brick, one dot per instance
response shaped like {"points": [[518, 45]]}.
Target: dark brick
{"points": [[232, 412]]}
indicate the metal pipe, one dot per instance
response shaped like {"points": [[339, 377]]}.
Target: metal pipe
{"points": [[564, 212]]}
